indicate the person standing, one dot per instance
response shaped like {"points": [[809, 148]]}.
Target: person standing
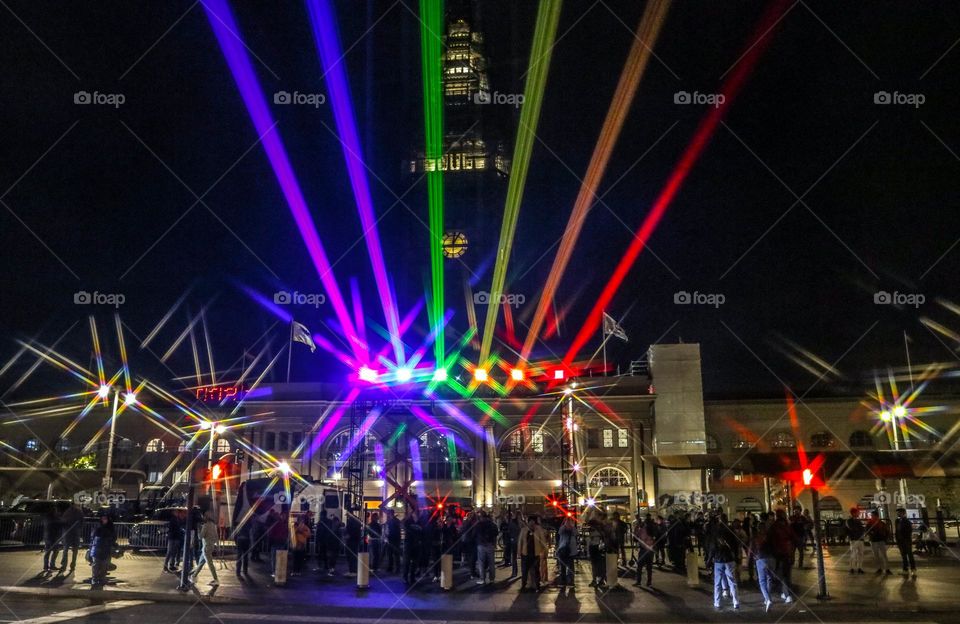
{"points": [[513, 534], [71, 523], [278, 534], [51, 538], [352, 535], [598, 568], [468, 538], [101, 551], [394, 535], [878, 533], [567, 550], [661, 547], [532, 546], [781, 537], [301, 538], [620, 530], [374, 540], [411, 547], [486, 532], [645, 536], [721, 548], [333, 540], [855, 532], [209, 536], [243, 545], [904, 538], [799, 527], [174, 542]]}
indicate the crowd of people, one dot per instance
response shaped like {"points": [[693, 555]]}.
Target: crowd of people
{"points": [[766, 546]]}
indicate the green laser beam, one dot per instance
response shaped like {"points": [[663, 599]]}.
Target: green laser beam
{"points": [[548, 16], [431, 49]]}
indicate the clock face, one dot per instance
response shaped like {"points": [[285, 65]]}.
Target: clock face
{"points": [[454, 244]]}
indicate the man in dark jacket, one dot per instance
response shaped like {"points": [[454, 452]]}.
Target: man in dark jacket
{"points": [[393, 529], [903, 533], [721, 548], [855, 532], [101, 551], [486, 543], [51, 539], [412, 535], [71, 524], [175, 535], [468, 541]]}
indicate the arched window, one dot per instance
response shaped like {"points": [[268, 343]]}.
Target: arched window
{"points": [[337, 454], [156, 445], [713, 444], [63, 445], [528, 453], [609, 477], [223, 446], [32, 445], [783, 439], [823, 439], [441, 459], [861, 439]]}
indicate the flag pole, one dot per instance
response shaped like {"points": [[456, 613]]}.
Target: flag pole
{"points": [[603, 343], [290, 350]]}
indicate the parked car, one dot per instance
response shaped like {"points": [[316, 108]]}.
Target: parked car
{"points": [[22, 524], [151, 534]]}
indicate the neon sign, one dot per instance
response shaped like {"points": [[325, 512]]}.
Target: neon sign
{"points": [[220, 393]]}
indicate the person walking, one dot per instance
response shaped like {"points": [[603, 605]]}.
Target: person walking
{"points": [[71, 524], [878, 533], [101, 551], [781, 537], [661, 547], [486, 533], [243, 545], [761, 550], [175, 534], [532, 546], [301, 538], [394, 531], [903, 534], [645, 536], [721, 548], [209, 536], [567, 550], [855, 533], [51, 538]]}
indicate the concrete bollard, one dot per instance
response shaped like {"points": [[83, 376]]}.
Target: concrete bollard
{"points": [[446, 572], [280, 568], [613, 572], [363, 570]]}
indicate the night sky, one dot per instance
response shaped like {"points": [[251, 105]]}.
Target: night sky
{"points": [[101, 198]]}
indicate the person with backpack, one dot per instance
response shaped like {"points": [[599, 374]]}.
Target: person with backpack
{"points": [[855, 532], [645, 535], [903, 535], [878, 533], [721, 548]]}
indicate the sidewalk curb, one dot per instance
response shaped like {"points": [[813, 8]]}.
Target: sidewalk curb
{"points": [[123, 594]]}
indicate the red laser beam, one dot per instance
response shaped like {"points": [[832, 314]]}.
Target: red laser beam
{"points": [[731, 87]]}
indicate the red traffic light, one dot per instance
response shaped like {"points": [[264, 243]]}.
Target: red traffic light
{"points": [[215, 472]]}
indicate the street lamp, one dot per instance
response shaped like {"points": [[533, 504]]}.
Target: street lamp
{"points": [[893, 417], [129, 400], [810, 481]]}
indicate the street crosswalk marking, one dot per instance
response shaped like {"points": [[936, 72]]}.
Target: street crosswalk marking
{"points": [[73, 614]]}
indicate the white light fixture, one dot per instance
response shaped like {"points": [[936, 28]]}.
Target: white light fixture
{"points": [[404, 374], [103, 391], [130, 398], [219, 429]]}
